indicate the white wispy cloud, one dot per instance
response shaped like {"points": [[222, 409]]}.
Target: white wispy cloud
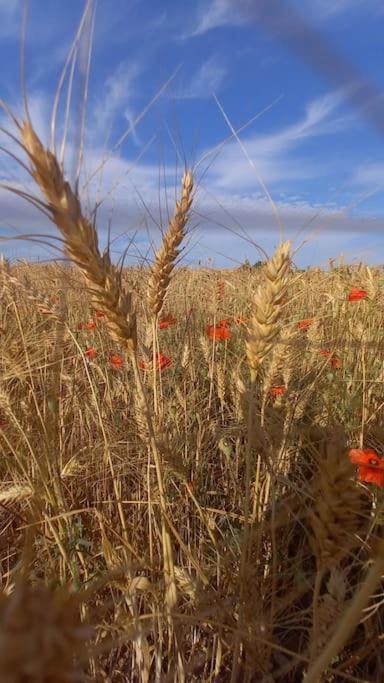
{"points": [[329, 231], [327, 9], [271, 153], [208, 79], [117, 95], [132, 195], [369, 176], [229, 250], [213, 14]]}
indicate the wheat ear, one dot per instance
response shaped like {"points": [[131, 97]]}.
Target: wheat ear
{"points": [[264, 323], [167, 254], [81, 243]]}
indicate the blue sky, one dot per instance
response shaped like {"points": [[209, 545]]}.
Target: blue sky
{"points": [[306, 147]]}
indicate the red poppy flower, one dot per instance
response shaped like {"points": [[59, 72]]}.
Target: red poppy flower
{"points": [[162, 362], [370, 466], [99, 314], [117, 361], [241, 320], [220, 331], [356, 294], [167, 321], [278, 390], [304, 324], [89, 326], [90, 353], [333, 360]]}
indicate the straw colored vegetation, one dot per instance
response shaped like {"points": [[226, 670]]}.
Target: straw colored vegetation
{"points": [[222, 536], [191, 462]]}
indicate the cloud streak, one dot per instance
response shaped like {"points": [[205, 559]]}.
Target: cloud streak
{"points": [[215, 14], [208, 79], [118, 92], [220, 223], [328, 9], [272, 152]]}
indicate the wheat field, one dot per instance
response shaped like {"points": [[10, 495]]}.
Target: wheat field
{"points": [[181, 486], [191, 464]]}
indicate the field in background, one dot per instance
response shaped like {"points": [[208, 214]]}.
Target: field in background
{"points": [[239, 562]]}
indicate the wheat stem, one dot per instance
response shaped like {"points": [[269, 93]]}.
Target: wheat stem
{"points": [[105, 284], [263, 329]]}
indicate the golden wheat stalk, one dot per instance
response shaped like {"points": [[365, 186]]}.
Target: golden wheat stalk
{"points": [[263, 329], [105, 285], [167, 254]]}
